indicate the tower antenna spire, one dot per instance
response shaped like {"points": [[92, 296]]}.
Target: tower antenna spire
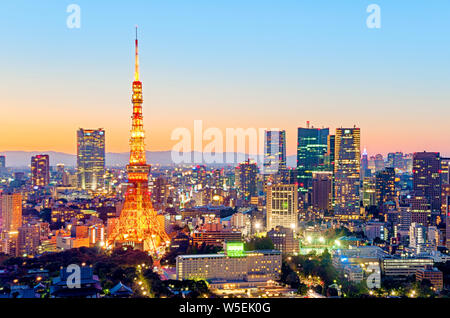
{"points": [[136, 65]]}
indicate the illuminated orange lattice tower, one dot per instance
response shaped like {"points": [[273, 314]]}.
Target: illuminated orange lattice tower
{"points": [[138, 224]]}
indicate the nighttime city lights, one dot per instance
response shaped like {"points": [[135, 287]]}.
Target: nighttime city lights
{"points": [[276, 151]]}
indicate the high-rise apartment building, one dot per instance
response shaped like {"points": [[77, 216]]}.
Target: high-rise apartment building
{"points": [[90, 158], [11, 211], [40, 170], [427, 178], [281, 206], [246, 174], [347, 173], [28, 239]]}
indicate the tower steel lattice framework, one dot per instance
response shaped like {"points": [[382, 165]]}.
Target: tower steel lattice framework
{"points": [[138, 224]]}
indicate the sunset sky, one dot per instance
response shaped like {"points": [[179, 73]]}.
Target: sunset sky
{"points": [[234, 63]]}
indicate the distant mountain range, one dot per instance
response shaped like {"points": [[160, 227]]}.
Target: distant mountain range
{"points": [[22, 158]]}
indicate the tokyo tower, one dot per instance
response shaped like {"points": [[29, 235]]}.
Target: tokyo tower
{"points": [[138, 224]]}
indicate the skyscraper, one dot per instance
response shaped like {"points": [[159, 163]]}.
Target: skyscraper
{"points": [[246, 175], [138, 224], [2, 162], [321, 190], [28, 239], [426, 177], [347, 172], [90, 158], [40, 170], [369, 191], [281, 206], [311, 150], [11, 211], [399, 161], [365, 171], [445, 170], [329, 158], [385, 187], [275, 152], [379, 162]]}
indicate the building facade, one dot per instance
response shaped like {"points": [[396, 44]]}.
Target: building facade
{"points": [[253, 267], [281, 206], [312, 144], [427, 178], [40, 170], [347, 173], [90, 158], [275, 152]]}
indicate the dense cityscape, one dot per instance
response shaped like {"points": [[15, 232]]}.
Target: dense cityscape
{"points": [[338, 219], [339, 224]]}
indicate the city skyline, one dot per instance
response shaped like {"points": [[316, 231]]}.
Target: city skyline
{"points": [[387, 89], [229, 208]]}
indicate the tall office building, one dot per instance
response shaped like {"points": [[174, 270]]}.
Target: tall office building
{"points": [[160, 192], [379, 162], [247, 173], [40, 170], [2, 165], [398, 161], [445, 195], [347, 172], [446, 213], [445, 170], [390, 160], [275, 152], [281, 206], [365, 171], [427, 178], [417, 237], [369, 191], [311, 151], [90, 158], [322, 198], [11, 211], [329, 157], [385, 187], [329, 162], [395, 160]]}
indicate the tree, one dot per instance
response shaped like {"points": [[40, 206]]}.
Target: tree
{"points": [[302, 289], [259, 243]]}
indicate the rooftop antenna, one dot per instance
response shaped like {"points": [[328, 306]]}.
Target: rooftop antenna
{"points": [[136, 67]]}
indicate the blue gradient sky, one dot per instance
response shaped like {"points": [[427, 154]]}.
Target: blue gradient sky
{"points": [[234, 63]]}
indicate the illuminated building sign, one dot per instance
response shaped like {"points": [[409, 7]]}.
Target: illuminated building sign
{"points": [[235, 249]]}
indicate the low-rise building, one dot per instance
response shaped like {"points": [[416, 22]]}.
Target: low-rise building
{"points": [[431, 273], [283, 240], [404, 266], [235, 266]]}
